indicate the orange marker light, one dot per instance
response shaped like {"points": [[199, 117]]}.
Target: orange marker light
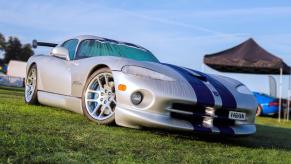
{"points": [[121, 87]]}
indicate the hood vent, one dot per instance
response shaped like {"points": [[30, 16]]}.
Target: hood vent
{"points": [[202, 78]]}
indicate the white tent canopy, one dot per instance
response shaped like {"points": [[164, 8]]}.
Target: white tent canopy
{"points": [[16, 69]]}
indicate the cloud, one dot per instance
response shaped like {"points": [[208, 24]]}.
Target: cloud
{"points": [[55, 17], [258, 11], [224, 13]]}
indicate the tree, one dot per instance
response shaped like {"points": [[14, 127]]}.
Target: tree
{"points": [[14, 50], [2, 42], [2, 45], [26, 52]]}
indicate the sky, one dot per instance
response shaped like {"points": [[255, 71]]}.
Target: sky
{"points": [[180, 32]]}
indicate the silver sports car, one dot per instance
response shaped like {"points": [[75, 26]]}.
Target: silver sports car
{"points": [[118, 82]]}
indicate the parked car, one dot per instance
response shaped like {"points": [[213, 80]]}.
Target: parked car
{"points": [[118, 82], [267, 105], [3, 68]]}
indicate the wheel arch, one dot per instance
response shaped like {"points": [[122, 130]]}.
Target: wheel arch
{"points": [[28, 68], [30, 65], [95, 68]]}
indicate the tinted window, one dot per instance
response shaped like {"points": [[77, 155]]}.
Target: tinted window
{"points": [[90, 48], [71, 46]]}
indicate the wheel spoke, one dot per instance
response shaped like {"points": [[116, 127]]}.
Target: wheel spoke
{"points": [[99, 83], [102, 111], [106, 80], [110, 109], [112, 98], [96, 108], [92, 100], [111, 84], [114, 101], [93, 91]]}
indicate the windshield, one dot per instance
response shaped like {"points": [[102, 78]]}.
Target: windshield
{"points": [[91, 47]]}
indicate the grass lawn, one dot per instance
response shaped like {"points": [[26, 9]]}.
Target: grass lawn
{"points": [[45, 134]]}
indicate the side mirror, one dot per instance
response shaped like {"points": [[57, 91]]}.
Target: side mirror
{"points": [[60, 52]]}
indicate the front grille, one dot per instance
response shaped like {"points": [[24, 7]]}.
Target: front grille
{"points": [[197, 114]]}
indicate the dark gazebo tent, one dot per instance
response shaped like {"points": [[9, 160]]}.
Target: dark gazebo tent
{"points": [[248, 57]]}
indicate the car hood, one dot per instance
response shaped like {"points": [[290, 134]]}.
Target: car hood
{"points": [[207, 86], [227, 88], [173, 71]]}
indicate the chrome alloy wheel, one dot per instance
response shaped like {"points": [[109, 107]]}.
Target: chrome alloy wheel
{"points": [[100, 98], [30, 84]]}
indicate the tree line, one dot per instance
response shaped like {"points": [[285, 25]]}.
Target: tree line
{"points": [[13, 49]]}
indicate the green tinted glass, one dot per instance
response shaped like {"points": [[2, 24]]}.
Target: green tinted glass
{"points": [[71, 46], [90, 48]]}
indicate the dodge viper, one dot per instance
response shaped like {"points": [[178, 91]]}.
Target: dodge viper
{"points": [[114, 82]]}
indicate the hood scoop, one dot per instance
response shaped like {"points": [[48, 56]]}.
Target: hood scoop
{"points": [[196, 75]]}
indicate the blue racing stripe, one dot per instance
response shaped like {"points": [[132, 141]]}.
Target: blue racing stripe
{"points": [[203, 93], [228, 100]]}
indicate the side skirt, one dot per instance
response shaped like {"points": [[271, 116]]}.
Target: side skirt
{"points": [[73, 104]]}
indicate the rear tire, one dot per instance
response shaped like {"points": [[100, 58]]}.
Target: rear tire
{"points": [[30, 96], [259, 110], [98, 98]]}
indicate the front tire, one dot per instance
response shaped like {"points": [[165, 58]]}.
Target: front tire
{"points": [[99, 99], [31, 86]]}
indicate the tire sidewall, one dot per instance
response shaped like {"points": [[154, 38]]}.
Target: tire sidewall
{"points": [[259, 110]]}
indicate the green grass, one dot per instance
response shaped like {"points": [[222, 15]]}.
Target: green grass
{"points": [[45, 134]]}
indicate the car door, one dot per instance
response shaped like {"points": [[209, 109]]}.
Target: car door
{"points": [[57, 72]]}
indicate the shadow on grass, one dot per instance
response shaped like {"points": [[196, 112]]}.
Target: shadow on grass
{"points": [[19, 89], [10, 91], [266, 137]]}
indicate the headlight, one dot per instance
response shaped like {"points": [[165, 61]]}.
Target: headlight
{"points": [[243, 89], [144, 72]]}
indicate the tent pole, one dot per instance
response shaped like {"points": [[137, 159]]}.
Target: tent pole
{"points": [[289, 94], [202, 67], [280, 95]]}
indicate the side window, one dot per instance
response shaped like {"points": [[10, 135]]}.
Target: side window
{"points": [[87, 48], [71, 46]]}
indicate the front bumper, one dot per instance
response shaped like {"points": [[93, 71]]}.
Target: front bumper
{"points": [[139, 119], [159, 97]]}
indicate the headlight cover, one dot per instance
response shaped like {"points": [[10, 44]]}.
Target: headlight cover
{"points": [[243, 89], [144, 72]]}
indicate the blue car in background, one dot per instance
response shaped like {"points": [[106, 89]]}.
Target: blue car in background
{"points": [[267, 105]]}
